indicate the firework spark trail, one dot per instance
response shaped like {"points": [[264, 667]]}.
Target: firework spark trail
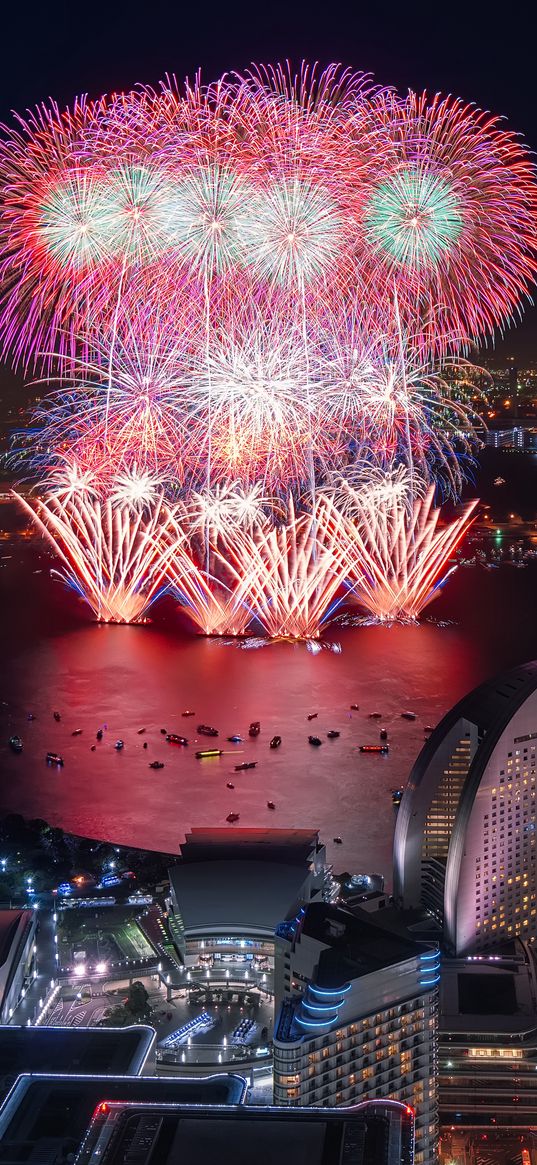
{"points": [[292, 572], [397, 560], [111, 554]]}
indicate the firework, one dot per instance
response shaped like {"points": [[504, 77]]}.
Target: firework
{"points": [[397, 561], [110, 553]]}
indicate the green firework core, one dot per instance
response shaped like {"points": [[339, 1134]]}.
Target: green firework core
{"points": [[414, 218]]}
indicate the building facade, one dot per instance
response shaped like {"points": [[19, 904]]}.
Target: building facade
{"points": [[487, 1060], [357, 1018], [465, 840], [17, 957]]}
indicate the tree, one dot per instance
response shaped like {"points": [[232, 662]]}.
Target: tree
{"points": [[137, 1000]]}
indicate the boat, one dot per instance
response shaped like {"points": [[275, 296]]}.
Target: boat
{"points": [[338, 840], [174, 738], [232, 817], [93, 747], [156, 764], [246, 764], [53, 758], [396, 796], [208, 752], [315, 740], [141, 731], [408, 715], [499, 481], [383, 734], [375, 715], [15, 744], [119, 745], [382, 748], [188, 713], [236, 739], [230, 785], [57, 716], [313, 715], [77, 732], [163, 732], [270, 805], [332, 735], [206, 730], [31, 716], [99, 734], [275, 742], [428, 728], [355, 707], [255, 728], [145, 744]]}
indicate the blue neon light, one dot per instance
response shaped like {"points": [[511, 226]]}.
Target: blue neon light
{"points": [[434, 955], [308, 1023], [329, 994], [429, 982], [321, 1010]]}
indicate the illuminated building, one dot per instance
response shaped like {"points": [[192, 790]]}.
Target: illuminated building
{"points": [[464, 847], [487, 1059], [358, 1017], [17, 957]]}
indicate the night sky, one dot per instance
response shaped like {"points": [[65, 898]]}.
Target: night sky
{"points": [[481, 52]]}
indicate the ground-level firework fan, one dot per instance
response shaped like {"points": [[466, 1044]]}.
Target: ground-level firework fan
{"points": [[239, 291]]}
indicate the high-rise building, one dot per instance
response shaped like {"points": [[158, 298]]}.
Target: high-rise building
{"points": [[465, 840], [487, 1056], [358, 1016]]}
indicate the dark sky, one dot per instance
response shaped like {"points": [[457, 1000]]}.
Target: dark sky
{"points": [[481, 52]]}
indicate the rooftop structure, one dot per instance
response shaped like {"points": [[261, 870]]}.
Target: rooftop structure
{"points": [[373, 1133], [45, 1117], [465, 838], [83, 1051]]}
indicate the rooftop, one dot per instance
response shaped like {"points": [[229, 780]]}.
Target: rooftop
{"points": [[290, 846], [356, 944], [86, 1051], [237, 895]]}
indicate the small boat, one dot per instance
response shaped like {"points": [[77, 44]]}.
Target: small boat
{"points": [[53, 758], [99, 734], [499, 481], [246, 764], [396, 796], [236, 739], [141, 731], [188, 713], [119, 745], [174, 738], [338, 840], [332, 735], [156, 764], [315, 740], [31, 716], [93, 747], [230, 785], [145, 744], [355, 707], [206, 752], [383, 734], [428, 728], [275, 742], [231, 817], [375, 715], [57, 716], [313, 715], [270, 805], [408, 715], [77, 732], [163, 732], [15, 743], [206, 730], [255, 728], [382, 748]]}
